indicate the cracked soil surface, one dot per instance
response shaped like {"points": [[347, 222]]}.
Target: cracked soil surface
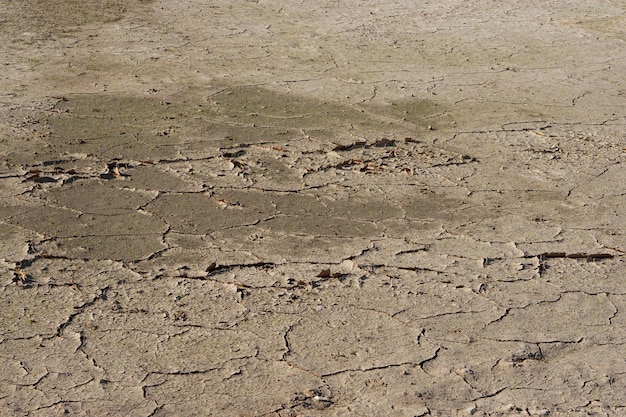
{"points": [[295, 208]]}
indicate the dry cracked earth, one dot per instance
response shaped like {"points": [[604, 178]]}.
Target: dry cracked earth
{"points": [[295, 208]]}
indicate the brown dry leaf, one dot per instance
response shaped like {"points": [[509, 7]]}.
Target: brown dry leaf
{"points": [[113, 171], [19, 276], [238, 164], [349, 162], [280, 149], [370, 167], [324, 273], [211, 267], [358, 144], [384, 142]]}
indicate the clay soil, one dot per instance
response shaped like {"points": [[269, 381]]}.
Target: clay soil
{"points": [[312, 208]]}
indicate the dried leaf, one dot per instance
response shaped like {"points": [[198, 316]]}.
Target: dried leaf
{"points": [[384, 142], [349, 162], [20, 276], [211, 267], [325, 273], [358, 144], [280, 149]]}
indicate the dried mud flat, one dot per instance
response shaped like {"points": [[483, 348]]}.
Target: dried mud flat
{"points": [[282, 208]]}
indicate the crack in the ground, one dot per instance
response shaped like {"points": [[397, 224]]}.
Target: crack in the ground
{"points": [[373, 368], [100, 295]]}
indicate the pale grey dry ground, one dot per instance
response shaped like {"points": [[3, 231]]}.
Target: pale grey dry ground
{"points": [[283, 208]]}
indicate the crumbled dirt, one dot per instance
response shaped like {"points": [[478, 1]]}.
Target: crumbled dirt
{"points": [[281, 208]]}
